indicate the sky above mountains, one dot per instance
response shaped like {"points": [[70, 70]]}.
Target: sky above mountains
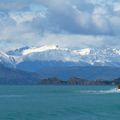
{"points": [[67, 23]]}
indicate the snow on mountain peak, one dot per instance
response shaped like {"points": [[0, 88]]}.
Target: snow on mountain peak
{"points": [[40, 49], [91, 56], [117, 51], [83, 52], [6, 59]]}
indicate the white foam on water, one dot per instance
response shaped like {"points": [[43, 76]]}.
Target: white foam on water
{"points": [[115, 90]]}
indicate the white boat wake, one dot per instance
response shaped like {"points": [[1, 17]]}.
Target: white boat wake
{"points": [[115, 90]]}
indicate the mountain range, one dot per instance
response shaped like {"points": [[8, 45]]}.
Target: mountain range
{"points": [[55, 61], [88, 56]]}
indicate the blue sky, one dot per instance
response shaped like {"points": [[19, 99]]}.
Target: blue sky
{"points": [[68, 23]]}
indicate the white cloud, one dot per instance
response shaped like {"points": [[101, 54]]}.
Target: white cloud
{"points": [[22, 17], [116, 7], [82, 18], [27, 16], [69, 23], [72, 41], [101, 23]]}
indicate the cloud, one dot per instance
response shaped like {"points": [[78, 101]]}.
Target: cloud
{"points": [[21, 17], [79, 41], [87, 23], [71, 40]]}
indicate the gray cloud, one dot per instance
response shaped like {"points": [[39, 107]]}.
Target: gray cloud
{"points": [[88, 23]]}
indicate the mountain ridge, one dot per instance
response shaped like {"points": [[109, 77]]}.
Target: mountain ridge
{"points": [[43, 60], [91, 56]]}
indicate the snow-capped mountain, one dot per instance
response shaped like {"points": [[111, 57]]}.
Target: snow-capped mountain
{"points": [[17, 52], [88, 56], [7, 60], [55, 61], [50, 53]]}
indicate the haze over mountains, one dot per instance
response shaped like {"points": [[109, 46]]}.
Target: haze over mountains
{"points": [[64, 63]]}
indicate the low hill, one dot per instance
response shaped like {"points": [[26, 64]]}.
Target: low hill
{"points": [[14, 76]]}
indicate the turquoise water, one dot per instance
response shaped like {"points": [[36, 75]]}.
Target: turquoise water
{"points": [[59, 103]]}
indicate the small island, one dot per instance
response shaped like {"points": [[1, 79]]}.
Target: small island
{"points": [[78, 81]]}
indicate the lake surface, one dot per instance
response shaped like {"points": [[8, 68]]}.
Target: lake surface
{"points": [[59, 103]]}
